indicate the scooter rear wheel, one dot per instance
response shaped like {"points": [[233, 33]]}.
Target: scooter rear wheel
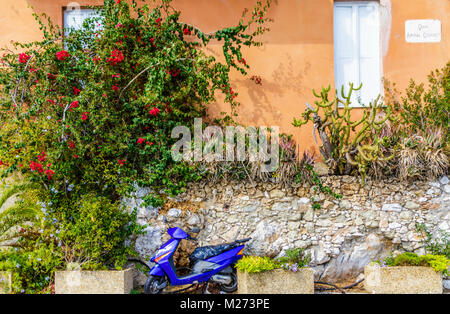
{"points": [[232, 286], [152, 285]]}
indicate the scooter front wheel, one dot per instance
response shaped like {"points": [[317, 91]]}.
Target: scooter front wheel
{"points": [[153, 285]]}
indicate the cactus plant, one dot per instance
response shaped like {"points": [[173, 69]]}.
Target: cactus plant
{"points": [[348, 145]]}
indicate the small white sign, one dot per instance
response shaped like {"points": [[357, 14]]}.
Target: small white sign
{"points": [[423, 31]]}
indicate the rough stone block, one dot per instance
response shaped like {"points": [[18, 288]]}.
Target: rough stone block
{"points": [[402, 280], [277, 281], [94, 282]]}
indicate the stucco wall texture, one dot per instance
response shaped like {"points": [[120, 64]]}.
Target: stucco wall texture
{"points": [[297, 56]]}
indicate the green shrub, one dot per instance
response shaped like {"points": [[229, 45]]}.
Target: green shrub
{"points": [[439, 263], [256, 264], [295, 257], [32, 269], [292, 260], [96, 234], [423, 107]]}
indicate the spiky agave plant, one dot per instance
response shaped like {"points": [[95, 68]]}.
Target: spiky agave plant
{"points": [[423, 155], [289, 164], [435, 158], [305, 165]]}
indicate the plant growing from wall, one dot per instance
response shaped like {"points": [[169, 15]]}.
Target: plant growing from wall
{"points": [[438, 245], [348, 146]]}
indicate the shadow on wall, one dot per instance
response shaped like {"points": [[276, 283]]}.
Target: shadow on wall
{"points": [[284, 79]]}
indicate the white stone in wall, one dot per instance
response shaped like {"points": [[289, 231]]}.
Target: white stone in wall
{"points": [[447, 188], [174, 213], [444, 180], [392, 207], [149, 243]]}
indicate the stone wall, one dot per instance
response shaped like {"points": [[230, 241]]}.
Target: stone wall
{"points": [[342, 236]]}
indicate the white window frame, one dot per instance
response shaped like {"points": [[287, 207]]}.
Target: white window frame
{"points": [[355, 5], [68, 15]]}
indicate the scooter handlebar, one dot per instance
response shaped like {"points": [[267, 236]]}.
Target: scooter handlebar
{"points": [[243, 240]]}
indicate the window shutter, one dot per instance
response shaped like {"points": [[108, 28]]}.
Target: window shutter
{"points": [[369, 52], [345, 44], [357, 49]]}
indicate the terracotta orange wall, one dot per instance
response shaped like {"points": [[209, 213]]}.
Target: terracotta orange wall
{"points": [[298, 52]]}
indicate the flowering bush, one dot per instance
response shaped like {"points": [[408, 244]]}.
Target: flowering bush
{"points": [[91, 113], [96, 110]]}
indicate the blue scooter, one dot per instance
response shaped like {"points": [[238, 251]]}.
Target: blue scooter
{"points": [[209, 264]]}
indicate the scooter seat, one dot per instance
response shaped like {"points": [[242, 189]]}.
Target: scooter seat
{"points": [[203, 253]]}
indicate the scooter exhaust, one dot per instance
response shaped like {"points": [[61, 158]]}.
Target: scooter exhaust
{"points": [[223, 279]]}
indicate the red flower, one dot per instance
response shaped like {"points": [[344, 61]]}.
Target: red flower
{"points": [[84, 116], [174, 73], [75, 156], [74, 104], [71, 145], [49, 173], [51, 101], [51, 76], [23, 58], [116, 57], [186, 31], [158, 21], [140, 140], [154, 111], [76, 91], [121, 162], [116, 75], [61, 55], [115, 87], [36, 166], [232, 93], [42, 156], [118, 1]]}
